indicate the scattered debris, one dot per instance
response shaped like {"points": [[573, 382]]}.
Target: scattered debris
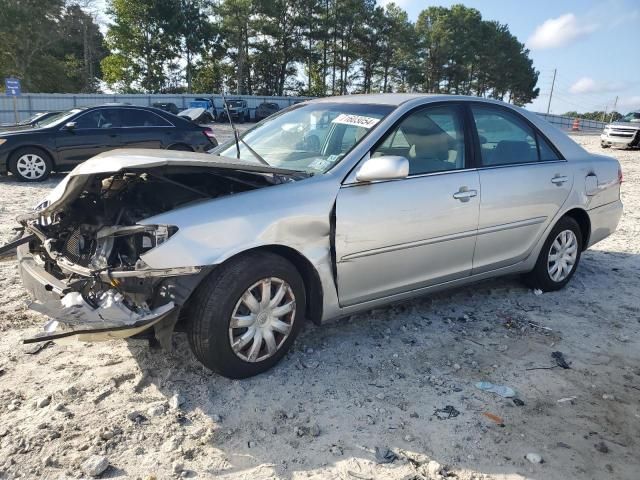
{"points": [[43, 402], [136, 417], [95, 465], [537, 291], [567, 399], [502, 390], [533, 457], [494, 418], [35, 348], [560, 360], [608, 396], [175, 401], [433, 469], [336, 450], [535, 325], [449, 411], [359, 475], [518, 402], [384, 455]]}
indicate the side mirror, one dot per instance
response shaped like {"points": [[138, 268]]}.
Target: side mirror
{"points": [[70, 125], [388, 167]]}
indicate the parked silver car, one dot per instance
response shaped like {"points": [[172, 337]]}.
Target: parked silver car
{"points": [[405, 195]]}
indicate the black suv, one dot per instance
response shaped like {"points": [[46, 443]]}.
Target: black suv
{"points": [[61, 142]]}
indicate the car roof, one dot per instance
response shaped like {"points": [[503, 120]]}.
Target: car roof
{"points": [[396, 99]]}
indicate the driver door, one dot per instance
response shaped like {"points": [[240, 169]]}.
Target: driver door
{"points": [[95, 131], [399, 235]]}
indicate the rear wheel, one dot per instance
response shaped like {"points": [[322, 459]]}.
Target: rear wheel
{"points": [[246, 314], [559, 257], [30, 164]]}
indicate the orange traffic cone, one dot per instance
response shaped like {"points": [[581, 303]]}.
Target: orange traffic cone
{"points": [[576, 125]]}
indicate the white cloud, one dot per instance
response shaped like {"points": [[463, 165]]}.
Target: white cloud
{"points": [[588, 85], [629, 103], [558, 32]]}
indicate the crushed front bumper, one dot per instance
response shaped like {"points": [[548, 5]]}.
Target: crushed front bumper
{"points": [[72, 318]]}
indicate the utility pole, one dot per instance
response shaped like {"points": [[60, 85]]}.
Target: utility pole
{"points": [[555, 70], [613, 109]]}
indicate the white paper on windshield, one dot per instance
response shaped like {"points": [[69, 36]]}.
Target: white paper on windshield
{"points": [[357, 120]]}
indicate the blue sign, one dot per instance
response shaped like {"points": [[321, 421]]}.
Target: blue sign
{"points": [[12, 87]]}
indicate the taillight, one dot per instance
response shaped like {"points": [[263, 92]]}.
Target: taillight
{"points": [[208, 133]]}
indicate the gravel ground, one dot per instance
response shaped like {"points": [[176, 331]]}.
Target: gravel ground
{"points": [[398, 379]]}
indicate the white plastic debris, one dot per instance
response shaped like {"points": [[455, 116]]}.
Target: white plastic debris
{"points": [[537, 291]]}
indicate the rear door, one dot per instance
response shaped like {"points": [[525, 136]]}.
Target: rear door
{"points": [[144, 129], [525, 182], [95, 131]]}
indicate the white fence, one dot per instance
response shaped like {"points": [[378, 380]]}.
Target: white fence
{"points": [[31, 103]]}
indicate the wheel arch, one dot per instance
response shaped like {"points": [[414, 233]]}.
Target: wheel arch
{"points": [[309, 274], [584, 222], [42, 148]]}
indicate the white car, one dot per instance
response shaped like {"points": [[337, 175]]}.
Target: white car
{"points": [[623, 133]]}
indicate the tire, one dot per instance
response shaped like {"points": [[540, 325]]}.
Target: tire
{"points": [[220, 296], [30, 164], [541, 276], [604, 146]]}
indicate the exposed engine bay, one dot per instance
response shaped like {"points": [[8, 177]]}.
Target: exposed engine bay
{"points": [[89, 243]]}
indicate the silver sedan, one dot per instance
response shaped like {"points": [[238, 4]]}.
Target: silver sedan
{"points": [[327, 208]]}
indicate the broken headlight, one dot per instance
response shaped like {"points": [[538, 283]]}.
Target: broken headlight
{"points": [[121, 247]]}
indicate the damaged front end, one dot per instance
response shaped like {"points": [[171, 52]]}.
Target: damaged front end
{"points": [[81, 258]]}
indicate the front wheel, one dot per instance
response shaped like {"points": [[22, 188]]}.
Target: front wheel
{"points": [[246, 314], [30, 164], [559, 257]]}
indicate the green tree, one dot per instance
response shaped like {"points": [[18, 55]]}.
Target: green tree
{"points": [[143, 39]]}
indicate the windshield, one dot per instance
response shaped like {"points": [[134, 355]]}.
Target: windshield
{"points": [[307, 137], [31, 119], [631, 117], [59, 118]]}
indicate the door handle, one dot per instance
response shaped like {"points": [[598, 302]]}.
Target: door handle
{"points": [[559, 179], [464, 194]]}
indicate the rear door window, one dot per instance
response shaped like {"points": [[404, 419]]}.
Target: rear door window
{"points": [[141, 118], [507, 139]]}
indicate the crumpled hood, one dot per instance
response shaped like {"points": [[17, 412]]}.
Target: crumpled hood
{"points": [[139, 159]]}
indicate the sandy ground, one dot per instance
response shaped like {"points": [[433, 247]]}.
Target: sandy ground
{"points": [[399, 378]]}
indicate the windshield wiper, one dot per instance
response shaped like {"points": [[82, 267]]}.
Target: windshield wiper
{"points": [[238, 139]]}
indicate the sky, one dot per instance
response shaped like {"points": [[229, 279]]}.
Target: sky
{"points": [[594, 46]]}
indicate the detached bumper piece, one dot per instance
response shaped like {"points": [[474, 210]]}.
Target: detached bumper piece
{"points": [[73, 318]]}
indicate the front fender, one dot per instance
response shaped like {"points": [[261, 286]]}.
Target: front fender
{"points": [[295, 215]]}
